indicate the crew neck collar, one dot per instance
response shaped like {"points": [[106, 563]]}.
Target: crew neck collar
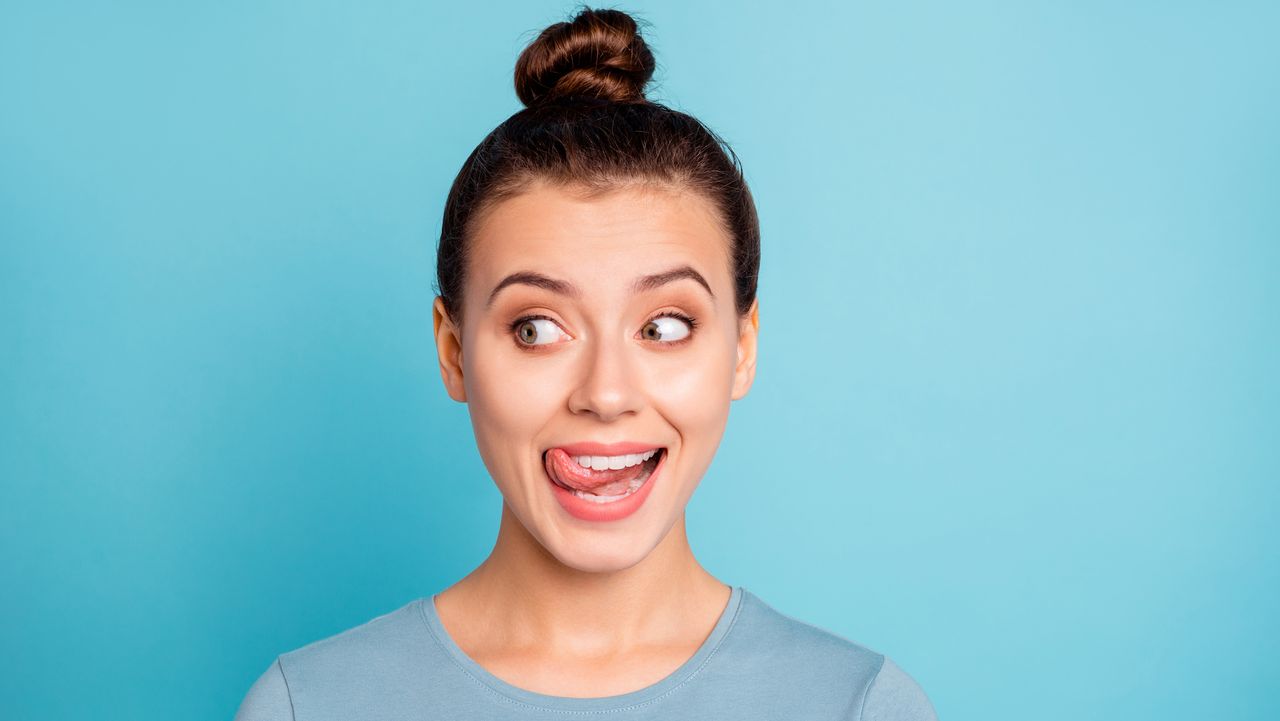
{"points": [[649, 694]]}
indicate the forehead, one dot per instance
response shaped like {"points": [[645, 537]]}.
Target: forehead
{"points": [[601, 237]]}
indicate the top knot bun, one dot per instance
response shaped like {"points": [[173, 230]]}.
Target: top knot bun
{"points": [[599, 54]]}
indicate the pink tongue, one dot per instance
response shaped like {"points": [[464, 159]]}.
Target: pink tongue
{"points": [[562, 467]]}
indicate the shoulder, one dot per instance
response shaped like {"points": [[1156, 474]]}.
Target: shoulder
{"points": [[268, 698], [370, 658], [895, 696], [863, 680], [795, 641], [384, 642]]}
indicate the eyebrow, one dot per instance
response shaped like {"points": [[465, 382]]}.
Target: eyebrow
{"points": [[564, 287]]}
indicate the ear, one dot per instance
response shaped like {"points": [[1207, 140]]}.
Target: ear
{"points": [[748, 333], [449, 350]]}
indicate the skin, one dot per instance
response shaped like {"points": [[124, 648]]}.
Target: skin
{"points": [[564, 606]]}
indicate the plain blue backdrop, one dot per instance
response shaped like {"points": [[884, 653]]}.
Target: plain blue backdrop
{"points": [[1015, 419]]}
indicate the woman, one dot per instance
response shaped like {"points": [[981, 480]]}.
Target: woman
{"points": [[597, 313]]}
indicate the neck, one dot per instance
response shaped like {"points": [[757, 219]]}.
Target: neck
{"points": [[523, 596]]}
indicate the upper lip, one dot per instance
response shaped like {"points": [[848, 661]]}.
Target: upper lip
{"points": [[621, 448]]}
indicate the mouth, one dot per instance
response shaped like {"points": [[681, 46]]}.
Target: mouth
{"points": [[600, 488]]}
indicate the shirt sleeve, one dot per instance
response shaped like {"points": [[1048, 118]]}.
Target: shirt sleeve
{"points": [[268, 698], [895, 696]]}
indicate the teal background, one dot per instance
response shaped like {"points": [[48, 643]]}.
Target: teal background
{"points": [[1015, 420]]}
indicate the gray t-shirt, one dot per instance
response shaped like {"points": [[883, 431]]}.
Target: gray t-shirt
{"points": [[756, 664]]}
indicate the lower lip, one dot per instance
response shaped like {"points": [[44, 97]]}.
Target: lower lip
{"points": [[613, 511]]}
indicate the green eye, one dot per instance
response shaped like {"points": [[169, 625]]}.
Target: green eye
{"points": [[673, 329], [536, 331]]}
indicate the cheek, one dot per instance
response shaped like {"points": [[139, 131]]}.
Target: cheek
{"points": [[693, 389], [509, 398]]}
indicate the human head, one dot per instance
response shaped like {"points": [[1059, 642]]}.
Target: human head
{"points": [[592, 184]]}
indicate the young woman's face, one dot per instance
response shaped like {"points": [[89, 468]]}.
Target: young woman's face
{"points": [[564, 344]]}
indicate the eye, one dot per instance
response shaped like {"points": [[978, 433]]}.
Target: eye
{"points": [[536, 331], [668, 328]]}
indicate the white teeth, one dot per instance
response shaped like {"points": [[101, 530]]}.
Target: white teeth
{"points": [[601, 463]]}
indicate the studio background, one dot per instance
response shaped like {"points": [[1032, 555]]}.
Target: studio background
{"points": [[1015, 418]]}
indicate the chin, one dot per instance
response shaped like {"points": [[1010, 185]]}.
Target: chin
{"points": [[590, 557]]}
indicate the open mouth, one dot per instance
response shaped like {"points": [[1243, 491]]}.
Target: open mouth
{"points": [[601, 479]]}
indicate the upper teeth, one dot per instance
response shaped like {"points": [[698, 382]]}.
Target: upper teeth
{"points": [[601, 463]]}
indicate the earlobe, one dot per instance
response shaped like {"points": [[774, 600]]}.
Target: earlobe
{"points": [[748, 335], [448, 351]]}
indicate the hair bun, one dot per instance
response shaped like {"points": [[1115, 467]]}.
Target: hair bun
{"points": [[598, 54]]}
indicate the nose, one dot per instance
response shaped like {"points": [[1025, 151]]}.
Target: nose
{"points": [[608, 385]]}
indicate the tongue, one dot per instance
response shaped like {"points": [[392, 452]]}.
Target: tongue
{"points": [[562, 468]]}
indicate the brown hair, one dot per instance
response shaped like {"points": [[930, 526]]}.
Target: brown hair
{"points": [[587, 124]]}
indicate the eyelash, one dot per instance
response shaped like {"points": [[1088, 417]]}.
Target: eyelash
{"points": [[691, 321]]}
